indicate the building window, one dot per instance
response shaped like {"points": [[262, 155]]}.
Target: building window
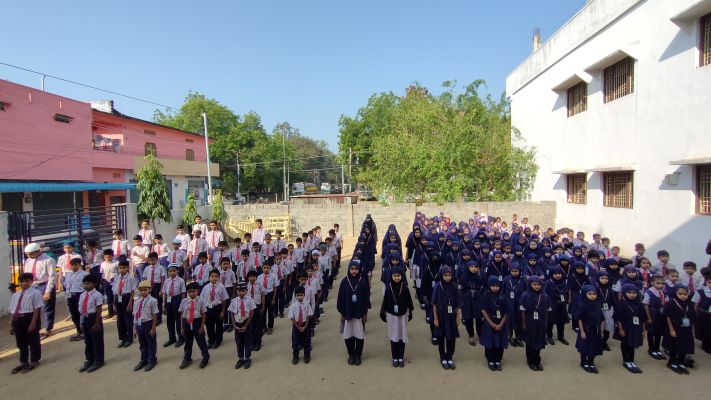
{"points": [[151, 133], [63, 118], [2, 106], [619, 79], [705, 48], [577, 99], [150, 148], [189, 155], [703, 189], [577, 188], [618, 189]]}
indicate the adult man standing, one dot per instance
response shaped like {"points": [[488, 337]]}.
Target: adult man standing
{"points": [[44, 272]]}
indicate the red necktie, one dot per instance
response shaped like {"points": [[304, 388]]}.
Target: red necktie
{"points": [[252, 291], [222, 277], [256, 261], [85, 304], [212, 294], [170, 290], [191, 316], [19, 304], [241, 308], [645, 276], [268, 250], [661, 297], [301, 316], [140, 309], [279, 272], [34, 269], [120, 286], [153, 270], [118, 248], [691, 284], [202, 268], [175, 255], [265, 281], [213, 239]]}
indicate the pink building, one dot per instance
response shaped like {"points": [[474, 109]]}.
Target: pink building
{"points": [[62, 153]]}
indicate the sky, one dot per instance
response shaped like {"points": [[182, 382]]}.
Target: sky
{"points": [[306, 62]]}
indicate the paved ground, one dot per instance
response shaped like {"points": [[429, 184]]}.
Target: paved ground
{"points": [[328, 375]]}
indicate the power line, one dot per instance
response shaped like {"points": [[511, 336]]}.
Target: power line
{"points": [[89, 86]]}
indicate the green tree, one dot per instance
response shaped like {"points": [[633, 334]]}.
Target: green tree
{"points": [[153, 199], [314, 162], [190, 212], [218, 207], [457, 145]]}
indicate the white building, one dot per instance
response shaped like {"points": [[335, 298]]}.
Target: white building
{"points": [[618, 104]]}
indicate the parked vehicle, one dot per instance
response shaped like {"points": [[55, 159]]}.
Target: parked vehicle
{"points": [[311, 188], [298, 189], [325, 188]]}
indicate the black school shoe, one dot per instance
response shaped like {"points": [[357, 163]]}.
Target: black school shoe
{"points": [[19, 368], [121, 344], [185, 364], [444, 363], [498, 366], [395, 363], [247, 363], [168, 343], [149, 366], [351, 359], [179, 343], [307, 359], [539, 367], [533, 366], [86, 366], [551, 341], [683, 369], [295, 360], [239, 364], [675, 368], [357, 360], [128, 344], [203, 362], [492, 366], [140, 365], [562, 340]]}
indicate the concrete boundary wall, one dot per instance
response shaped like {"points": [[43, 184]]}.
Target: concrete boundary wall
{"points": [[350, 216]]}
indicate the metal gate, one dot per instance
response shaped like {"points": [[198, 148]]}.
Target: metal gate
{"points": [[51, 228]]}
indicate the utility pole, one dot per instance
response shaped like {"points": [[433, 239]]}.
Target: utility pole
{"points": [[350, 168], [207, 153], [239, 193], [343, 181], [283, 149]]}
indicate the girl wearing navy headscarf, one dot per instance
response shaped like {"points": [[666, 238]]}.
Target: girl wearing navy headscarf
{"points": [[430, 278], [420, 258], [531, 267], [353, 304], [446, 316], [630, 317], [576, 281], [513, 288], [391, 236], [412, 242], [518, 256], [591, 324], [471, 284], [607, 300], [680, 315], [369, 251], [496, 267], [396, 311], [494, 333], [556, 288], [452, 258], [535, 305], [630, 275]]}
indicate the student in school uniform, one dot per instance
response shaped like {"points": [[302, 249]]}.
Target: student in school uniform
{"points": [[90, 303], [220, 252], [120, 246], [653, 302], [172, 293], [300, 255], [591, 325], [199, 226], [513, 287], [64, 262], [680, 316], [471, 283], [268, 282], [155, 274], [268, 249], [216, 297], [535, 305], [44, 278], [691, 277], [256, 292], [494, 334], [663, 265], [123, 286], [576, 280], [353, 304], [446, 316], [235, 254], [557, 290], [145, 317], [258, 232], [93, 256], [630, 317], [177, 257], [196, 247], [242, 266], [702, 306], [146, 233], [242, 310], [139, 256], [279, 242], [201, 271], [214, 237], [183, 237], [108, 269], [229, 280], [162, 249], [25, 309], [282, 274], [256, 259], [396, 310], [299, 313], [607, 299], [74, 287], [192, 316], [325, 264]]}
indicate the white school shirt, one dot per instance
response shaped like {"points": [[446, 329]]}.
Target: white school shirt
{"points": [[697, 296], [338, 240], [255, 291], [31, 300], [93, 258], [184, 241], [235, 308], [199, 309], [128, 285], [137, 252], [147, 236], [658, 267], [200, 227], [255, 260], [258, 235], [279, 272], [148, 306], [268, 250], [162, 249], [304, 306], [267, 282], [242, 269], [120, 248], [213, 238], [299, 255], [280, 244], [314, 284], [73, 281], [235, 255], [44, 269], [219, 296], [201, 272], [659, 293], [157, 271], [324, 262], [95, 299], [178, 286], [197, 246], [228, 278], [176, 257], [309, 296], [63, 262], [217, 255], [696, 278], [109, 270], [332, 251]]}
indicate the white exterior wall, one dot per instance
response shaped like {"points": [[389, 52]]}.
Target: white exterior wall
{"points": [[665, 119]]}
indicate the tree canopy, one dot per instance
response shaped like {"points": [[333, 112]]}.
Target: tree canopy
{"points": [[456, 145], [153, 200]]}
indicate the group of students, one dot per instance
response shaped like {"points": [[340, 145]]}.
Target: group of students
{"points": [[202, 287]]}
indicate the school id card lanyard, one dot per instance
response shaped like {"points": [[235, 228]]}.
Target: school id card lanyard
{"points": [[635, 319], [685, 322], [538, 303], [354, 296], [396, 309], [605, 294], [450, 309]]}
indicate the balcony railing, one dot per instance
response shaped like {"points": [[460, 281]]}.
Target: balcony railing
{"points": [[103, 143]]}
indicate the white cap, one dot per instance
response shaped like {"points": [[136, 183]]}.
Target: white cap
{"points": [[31, 248]]}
